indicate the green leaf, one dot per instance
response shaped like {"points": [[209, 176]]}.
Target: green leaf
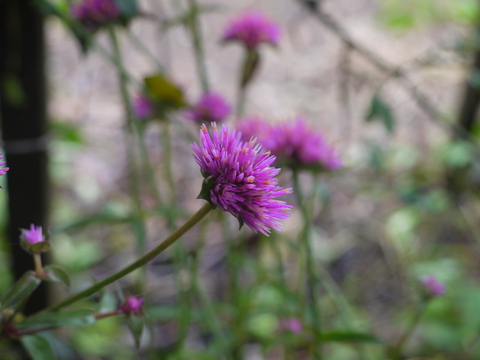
{"points": [[57, 274], [379, 110], [62, 318], [13, 89], [164, 92], [38, 347], [108, 302], [20, 291], [67, 132], [136, 324], [352, 337]]}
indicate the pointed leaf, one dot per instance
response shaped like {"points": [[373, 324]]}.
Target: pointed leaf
{"points": [[20, 291], [136, 324], [348, 336], [57, 274], [62, 318], [38, 347], [380, 110], [108, 302]]}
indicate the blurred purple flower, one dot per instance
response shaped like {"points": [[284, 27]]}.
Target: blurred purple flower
{"points": [[4, 170], [240, 180], [133, 305], [143, 106], [211, 107], [291, 324], [95, 13], [433, 286], [252, 28], [33, 236], [254, 127], [295, 143]]}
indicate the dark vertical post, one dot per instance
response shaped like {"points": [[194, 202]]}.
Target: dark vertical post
{"points": [[23, 116]]}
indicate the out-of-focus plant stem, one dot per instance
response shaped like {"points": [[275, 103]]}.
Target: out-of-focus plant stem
{"points": [[310, 267], [199, 215], [37, 258], [138, 43], [193, 26], [397, 349], [139, 227]]}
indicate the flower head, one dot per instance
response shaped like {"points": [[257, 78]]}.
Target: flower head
{"points": [[95, 13], [133, 305], [4, 170], [252, 28], [211, 107], [293, 325], [433, 286], [296, 144], [143, 106], [34, 235], [254, 127], [240, 180]]}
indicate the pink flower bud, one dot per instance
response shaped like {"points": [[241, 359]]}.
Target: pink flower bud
{"points": [[133, 305], [433, 286]]}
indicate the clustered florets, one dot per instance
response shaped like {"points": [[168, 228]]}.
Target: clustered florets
{"points": [[211, 107], [240, 180], [252, 28], [95, 13], [294, 143]]}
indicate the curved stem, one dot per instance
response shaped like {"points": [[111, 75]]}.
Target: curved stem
{"points": [[199, 215]]}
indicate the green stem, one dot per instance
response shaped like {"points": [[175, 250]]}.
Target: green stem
{"points": [[397, 349], [195, 30], [145, 50], [167, 159], [310, 267], [199, 215]]}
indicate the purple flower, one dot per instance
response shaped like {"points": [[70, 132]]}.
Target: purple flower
{"points": [[95, 13], [291, 324], [4, 170], [252, 28], [143, 106], [34, 235], [133, 305], [296, 144], [254, 127], [211, 107], [240, 180], [433, 286]]}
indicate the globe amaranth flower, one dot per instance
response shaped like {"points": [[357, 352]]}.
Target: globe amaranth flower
{"points": [[295, 144], [252, 28], [143, 106], [95, 13], [432, 286], [254, 127], [240, 180], [133, 305], [34, 240], [292, 325], [4, 170], [211, 107]]}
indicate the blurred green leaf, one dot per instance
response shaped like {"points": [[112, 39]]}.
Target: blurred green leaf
{"points": [[351, 337], [108, 302], [136, 324], [20, 291], [263, 326], [13, 90], [57, 274], [458, 154], [38, 347], [128, 8], [62, 318], [379, 110], [66, 132], [164, 92]]}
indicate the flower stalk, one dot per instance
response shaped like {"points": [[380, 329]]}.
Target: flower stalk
{"points": [[199, 215]]}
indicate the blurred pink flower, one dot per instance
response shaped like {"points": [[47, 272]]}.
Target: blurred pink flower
{"points": [[34, 235], [291, 324], [95, 13], [143, 106], [293, 142], [252, 28], [211, 107], [133, 305], [4, 170], [433, 286]]}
